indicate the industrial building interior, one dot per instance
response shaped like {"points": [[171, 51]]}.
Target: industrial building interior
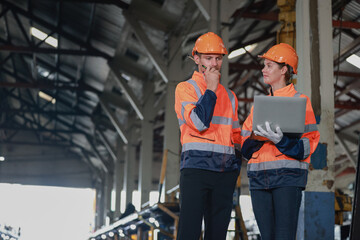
{"points": [[87, 95]]}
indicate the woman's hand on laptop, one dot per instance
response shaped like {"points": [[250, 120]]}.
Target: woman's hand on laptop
{"points": [[275, 137]]}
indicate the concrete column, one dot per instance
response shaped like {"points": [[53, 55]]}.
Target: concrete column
{"points": [[315, 79], [118, 176], [129, 168], [171, 128], [226, 9], [147, 139], [100, 206], [215, 16], [107, 195]]}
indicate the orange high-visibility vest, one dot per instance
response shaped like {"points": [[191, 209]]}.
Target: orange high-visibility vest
{"points": [[213, 147], [268, 167]]}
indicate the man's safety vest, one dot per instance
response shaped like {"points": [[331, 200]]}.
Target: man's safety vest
{"points": [[213, 147]]}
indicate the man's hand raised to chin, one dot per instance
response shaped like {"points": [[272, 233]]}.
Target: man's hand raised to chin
{"points": [[212, 78]]}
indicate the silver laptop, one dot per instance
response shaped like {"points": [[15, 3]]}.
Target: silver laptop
{"points": [[287, 112]]}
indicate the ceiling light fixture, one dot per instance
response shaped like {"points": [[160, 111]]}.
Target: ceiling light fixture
{"points": [[354, 60], [47, 97], [2, 158], [241, 51], [43, 36]]}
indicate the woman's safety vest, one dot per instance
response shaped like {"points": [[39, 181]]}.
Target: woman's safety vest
{"points": [[213, 147], [268, 167]]}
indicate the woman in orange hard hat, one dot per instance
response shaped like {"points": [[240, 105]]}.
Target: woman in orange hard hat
{"points": [[278, 163], [210, 138]]}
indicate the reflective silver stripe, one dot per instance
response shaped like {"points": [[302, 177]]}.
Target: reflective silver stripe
{"points": [[221, 120], [306, 143], [237, 146], [232, 99], [297, 94], [208, 147], [197, 122], [310, 128], [235, 124], [183, 104], [245, 133], [181, 122], [197, 89], [277, 165]]}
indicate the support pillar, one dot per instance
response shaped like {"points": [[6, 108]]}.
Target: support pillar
{"points": [[107, 195], [100, 206], [129, 168], [171, 128], [315, 79], [147, 139], [118, 177]]}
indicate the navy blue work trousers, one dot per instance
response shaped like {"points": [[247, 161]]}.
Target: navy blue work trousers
{"points": [[276, 211], [205, 195]]}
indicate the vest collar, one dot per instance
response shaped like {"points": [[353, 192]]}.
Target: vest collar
{"points": [[199, 78], [287, 91]]}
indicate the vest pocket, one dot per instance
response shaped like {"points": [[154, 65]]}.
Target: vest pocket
{"points": [[208, 138]]}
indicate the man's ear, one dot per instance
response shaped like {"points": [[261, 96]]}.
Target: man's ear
{"points": [[197, 59]]}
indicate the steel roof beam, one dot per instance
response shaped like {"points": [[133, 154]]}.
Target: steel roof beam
{"points": [[104, 164], [55, 29], [24, 49], [43, 86], [347, 105], [274, 16], [107, 145], [38, 111], [346, 150], [57, 119], [347, 51], [121, 82], [119, 3], [114, 120], [154, 56], [45, 130]]}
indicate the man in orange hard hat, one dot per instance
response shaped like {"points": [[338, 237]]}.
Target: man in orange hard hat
{"points": [[210, 138]]}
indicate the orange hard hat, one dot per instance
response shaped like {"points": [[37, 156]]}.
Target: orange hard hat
{"points": [[209, 43], [282, 53]]}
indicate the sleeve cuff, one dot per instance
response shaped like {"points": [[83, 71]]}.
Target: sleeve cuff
{"points": [[211, 94], [283, 142]]}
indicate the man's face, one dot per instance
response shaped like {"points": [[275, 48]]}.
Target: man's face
{"points": [[209, 61]]}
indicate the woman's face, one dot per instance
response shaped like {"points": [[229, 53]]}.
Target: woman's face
{"points": [[272, 72]]}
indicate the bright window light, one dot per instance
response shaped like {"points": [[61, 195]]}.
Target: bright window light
{"points": [[37, 33], [113, 200], [354, 60], [154, 197], [123, 201], [39, 211], [241, 51], [152, 220], [41, 35], [47, 97], [156, 234], [52, 41], [136, 200], [2, 158], [127, 77]]}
